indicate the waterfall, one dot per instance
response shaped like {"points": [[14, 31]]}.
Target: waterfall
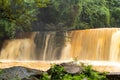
{"points": [[115, 47], [34, 46], [18, 49], [49, 45], [46, 44], [102, 44], [93, 44]]}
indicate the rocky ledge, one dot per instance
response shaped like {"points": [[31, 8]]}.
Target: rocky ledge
{"points": [[23, 73]]}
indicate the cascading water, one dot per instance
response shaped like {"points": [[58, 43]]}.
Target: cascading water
{"points": [[115, 47], [48, 45], [34, 46], [95, 44], [92, 45], [18, 49]]}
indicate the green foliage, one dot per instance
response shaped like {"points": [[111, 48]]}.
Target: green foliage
{"points": [[114, 7], [81, 14], [57, 72], [69, 10], [93, 75], [94, 14], [45, 76], [65, 12], [99, 13], [18, 14], [1, 71]]}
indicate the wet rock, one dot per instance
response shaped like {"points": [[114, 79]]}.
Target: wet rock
{"points": [[72, 68], [18, 72]]}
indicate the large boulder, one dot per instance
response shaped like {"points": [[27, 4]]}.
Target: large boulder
{"points": [[18, 72]]}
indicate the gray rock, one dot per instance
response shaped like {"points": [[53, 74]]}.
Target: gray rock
{"points": [[72, 68], [18, 72]]}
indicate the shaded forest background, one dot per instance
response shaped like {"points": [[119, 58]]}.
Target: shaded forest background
{"points": [[80, 14], [56, 15]]}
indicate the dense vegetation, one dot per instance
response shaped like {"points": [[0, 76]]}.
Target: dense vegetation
{"points": [[81, 14], [57, 72], [18, 15], [57, 15]]}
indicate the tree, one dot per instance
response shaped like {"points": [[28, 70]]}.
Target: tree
{"points": [[94, 14], [63, 14], [76, 14], [18, 14], [114, 7]]}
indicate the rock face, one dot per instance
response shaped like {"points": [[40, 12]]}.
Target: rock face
{"points": [[18, 72], [72, 68], [24, 73]]}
